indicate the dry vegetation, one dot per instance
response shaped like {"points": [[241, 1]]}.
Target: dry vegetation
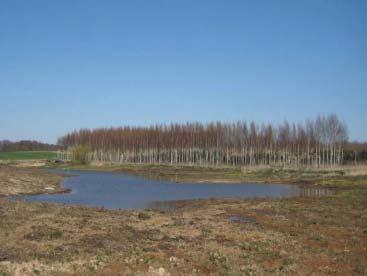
{"points": [[15, 180], [303, 236]]}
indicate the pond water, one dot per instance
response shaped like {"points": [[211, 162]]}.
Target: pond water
{"points": [[124, 191]]}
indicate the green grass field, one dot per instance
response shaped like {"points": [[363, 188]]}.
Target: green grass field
{"points": [[27, 155]]}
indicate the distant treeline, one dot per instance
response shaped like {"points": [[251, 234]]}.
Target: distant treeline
{"points": [[356, 152], [316, 142], [26, 145]]}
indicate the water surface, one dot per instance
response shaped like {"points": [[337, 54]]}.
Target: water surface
{"points": [[124, 191]]}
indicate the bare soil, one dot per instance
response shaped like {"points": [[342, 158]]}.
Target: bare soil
{"points": [[15, 180]]}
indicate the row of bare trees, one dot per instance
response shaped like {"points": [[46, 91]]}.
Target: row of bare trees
{"points": [[26, 145], [316, 142]]}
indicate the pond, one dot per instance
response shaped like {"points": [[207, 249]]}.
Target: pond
{"points": [[124, 191]]}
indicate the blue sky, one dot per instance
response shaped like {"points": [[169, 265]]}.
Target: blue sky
{"points": [[68, 64]]}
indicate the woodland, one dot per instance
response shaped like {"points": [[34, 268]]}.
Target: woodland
{"points": [[322, 141]]}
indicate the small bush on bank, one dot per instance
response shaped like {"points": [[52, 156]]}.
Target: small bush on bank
{"points": [[80, 154]]}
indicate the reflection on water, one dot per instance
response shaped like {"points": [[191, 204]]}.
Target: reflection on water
{"points": [[124, 191]]}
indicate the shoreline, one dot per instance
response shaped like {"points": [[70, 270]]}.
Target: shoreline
{"points": [[335, 178]]}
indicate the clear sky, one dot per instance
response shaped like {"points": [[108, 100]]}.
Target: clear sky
{"points": [[70, 64]]}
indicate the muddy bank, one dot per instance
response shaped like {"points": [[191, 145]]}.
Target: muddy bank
{"points": [[17, 180]]}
